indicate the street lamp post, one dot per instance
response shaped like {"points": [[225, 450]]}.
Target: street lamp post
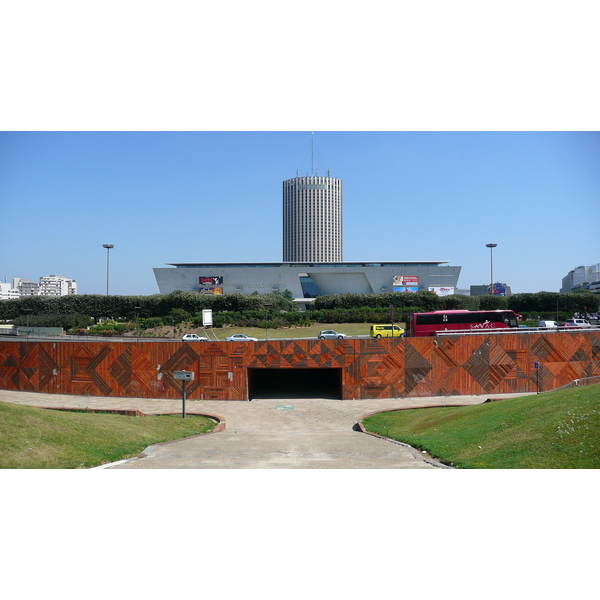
{"points": [[491, 247], [137, 322], [267, 321], [108, 247], [27, 310]]}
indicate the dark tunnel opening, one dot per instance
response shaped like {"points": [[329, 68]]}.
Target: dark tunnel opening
{"points": [[288, 383]]}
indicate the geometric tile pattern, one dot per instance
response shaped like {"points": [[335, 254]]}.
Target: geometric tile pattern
{"points": [[371, 368]]}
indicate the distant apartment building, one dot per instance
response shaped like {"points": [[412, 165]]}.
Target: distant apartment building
{"points": [[53, 285], [56, 285], [7, 292], [26, 287], [587, 278]]}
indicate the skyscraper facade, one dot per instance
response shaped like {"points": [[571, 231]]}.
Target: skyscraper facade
{"points": [[312, 219]]}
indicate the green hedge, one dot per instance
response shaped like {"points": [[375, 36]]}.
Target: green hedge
{"points": [[171, 309]]}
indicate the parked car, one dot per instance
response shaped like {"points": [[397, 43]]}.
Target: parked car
{"points": [[379, 331], [548, 324], [330, 334], [240, 337], [193, 337], [582, 323]]}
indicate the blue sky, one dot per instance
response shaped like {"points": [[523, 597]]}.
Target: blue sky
{"points": [[163, 197]]}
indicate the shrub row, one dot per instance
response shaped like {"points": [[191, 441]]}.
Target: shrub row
{"points": [[153, 311]]}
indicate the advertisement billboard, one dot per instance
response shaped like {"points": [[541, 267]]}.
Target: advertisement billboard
{"points": [[211, 281], [441, 291], [405, 283], [210, 285]]}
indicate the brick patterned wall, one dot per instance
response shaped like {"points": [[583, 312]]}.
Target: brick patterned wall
{"points": [[386, 368]]}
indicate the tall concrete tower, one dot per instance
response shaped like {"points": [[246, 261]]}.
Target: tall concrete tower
{"points": [[312, 219]]}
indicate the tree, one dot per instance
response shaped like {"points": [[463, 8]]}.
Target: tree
{"points": [[493, 302]]}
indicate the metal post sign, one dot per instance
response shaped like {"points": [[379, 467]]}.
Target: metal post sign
{"points": [[183, 376]]}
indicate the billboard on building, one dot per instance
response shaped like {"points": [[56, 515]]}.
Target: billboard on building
{"points": [[441, 291], [211, 281], [498, 289], [210, 285], [405, 283]]}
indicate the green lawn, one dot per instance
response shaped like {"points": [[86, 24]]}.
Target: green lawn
{"points": [[554, 430], [297, 332], [312, 331], [37, 438]]}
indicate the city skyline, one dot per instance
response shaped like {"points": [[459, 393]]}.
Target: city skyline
{"points": [[164, 197]]}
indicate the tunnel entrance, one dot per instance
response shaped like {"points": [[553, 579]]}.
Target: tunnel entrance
{"points": [[294, 383]]}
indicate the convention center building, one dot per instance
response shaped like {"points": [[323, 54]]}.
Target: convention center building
{"points": [[308, 280], [312, 257]]}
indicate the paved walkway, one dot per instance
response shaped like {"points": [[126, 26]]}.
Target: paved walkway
{"points": [[268, 434]]}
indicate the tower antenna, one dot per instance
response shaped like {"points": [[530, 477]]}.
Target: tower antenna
{"points": [[312, 152]]}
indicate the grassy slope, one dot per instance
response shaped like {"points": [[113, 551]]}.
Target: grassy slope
{"points": [[36, 438], [555, 430]]}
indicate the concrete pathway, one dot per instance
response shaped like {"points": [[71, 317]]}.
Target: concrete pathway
{"points": [[268, 434]]}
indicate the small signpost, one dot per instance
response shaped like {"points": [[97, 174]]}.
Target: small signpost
{"points": [[184, 377], [536, 366]]}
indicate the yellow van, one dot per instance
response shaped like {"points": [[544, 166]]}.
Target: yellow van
{"points": [[381, 331]]}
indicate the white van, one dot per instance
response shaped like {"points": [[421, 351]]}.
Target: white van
{"points": [[549, 324]]}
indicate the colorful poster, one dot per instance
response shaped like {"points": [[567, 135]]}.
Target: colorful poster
{"points": [[405, 281], [211, 285], [211, 280], [441, 291]]}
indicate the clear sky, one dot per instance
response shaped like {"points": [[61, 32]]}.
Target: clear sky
{"points": [[164, 197]]}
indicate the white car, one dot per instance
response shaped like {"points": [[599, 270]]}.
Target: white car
{"points": [[330, 334], [240, 337], [582, 323], [193, 337], [548, 324]]}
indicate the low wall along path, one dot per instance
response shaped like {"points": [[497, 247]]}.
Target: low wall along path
{"points": [[367, 368]]}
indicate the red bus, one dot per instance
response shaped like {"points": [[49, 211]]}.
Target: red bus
{"points": [[431, 323]]}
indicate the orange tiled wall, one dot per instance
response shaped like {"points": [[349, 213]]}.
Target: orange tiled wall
{"points": [[481, 364]]}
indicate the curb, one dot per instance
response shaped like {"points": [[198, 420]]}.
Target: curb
{"points": [[422, 455], [219, 427]]}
